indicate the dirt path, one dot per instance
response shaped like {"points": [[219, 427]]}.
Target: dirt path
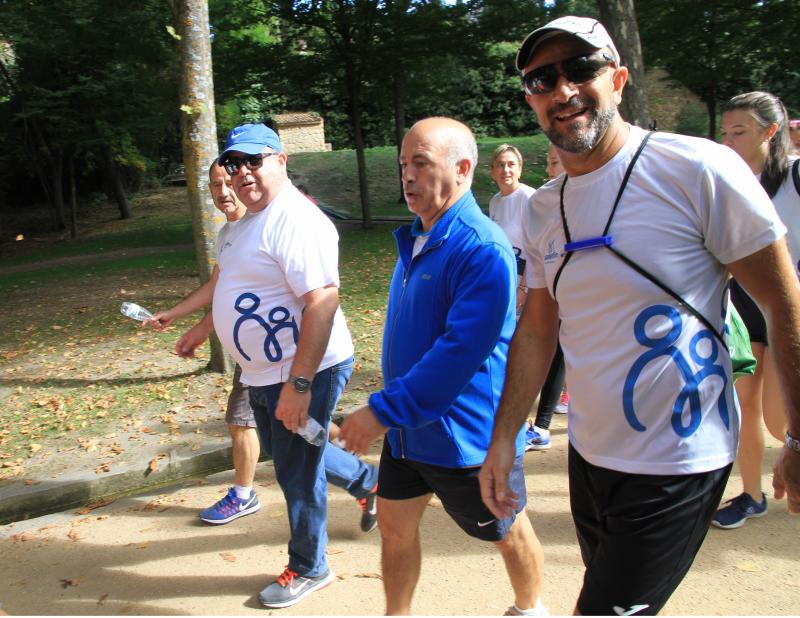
{"points": [[150, 555]]}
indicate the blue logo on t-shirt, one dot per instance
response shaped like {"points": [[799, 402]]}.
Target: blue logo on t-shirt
{"points": [[278, 316], [690, 393]]}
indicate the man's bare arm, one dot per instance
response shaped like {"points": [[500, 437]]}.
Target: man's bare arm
{"points": [[769, 277]]}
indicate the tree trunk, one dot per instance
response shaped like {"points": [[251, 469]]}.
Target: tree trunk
{"points": [[199, 129], [57, 188], [73, 199], [354, 96], [115, 184], [399, 102], [619, 17]]}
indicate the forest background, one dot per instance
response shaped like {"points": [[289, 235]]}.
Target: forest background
{"points": [[89, 89]]}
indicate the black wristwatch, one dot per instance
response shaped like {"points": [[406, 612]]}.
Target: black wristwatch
{"points": [[301, 384], [792, 442]]}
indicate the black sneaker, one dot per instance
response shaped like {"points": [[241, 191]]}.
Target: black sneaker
{"points": [[290, 588], [369, 511]]}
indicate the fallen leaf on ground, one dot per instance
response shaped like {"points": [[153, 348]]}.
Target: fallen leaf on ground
{"points": [[66, 583], [95, 505], [747, 566], [369, 575], [73, 535], [102, 599], [153, 465], [229, 557]]}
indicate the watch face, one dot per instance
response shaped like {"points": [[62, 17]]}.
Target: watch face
{"points": [[301, 385]]}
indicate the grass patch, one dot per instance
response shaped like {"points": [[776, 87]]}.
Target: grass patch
{"points": [[180, 262], [333, 177]]}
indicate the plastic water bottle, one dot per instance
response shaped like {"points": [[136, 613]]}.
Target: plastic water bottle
{"points": [[132, 310], [313, 432]]}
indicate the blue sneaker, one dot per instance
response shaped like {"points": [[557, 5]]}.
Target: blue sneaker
{"points": [[537, 439], [290, 588], [230, 507], [739, 509]]}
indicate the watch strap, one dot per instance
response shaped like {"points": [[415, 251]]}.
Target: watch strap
{"points": [[792, 442]]}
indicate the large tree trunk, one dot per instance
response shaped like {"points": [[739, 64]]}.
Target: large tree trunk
{"points": [[619, 17], [199, 130], [115, 184], [354, 96]]}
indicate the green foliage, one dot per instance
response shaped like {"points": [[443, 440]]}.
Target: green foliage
{"points": [[725, 47]]}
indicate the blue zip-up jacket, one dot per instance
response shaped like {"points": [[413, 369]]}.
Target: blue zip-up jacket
{"points": [[450, 319]]}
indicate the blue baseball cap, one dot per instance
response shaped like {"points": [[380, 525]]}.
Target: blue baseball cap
{"points": [[251, 139]]}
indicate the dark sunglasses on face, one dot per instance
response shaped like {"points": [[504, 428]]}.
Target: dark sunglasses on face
{"points": [[253, 162], [577, 70]]}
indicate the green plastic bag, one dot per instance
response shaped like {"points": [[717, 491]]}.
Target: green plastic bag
{"points": [[742, 359]]}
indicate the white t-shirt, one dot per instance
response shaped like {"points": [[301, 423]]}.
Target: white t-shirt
{"points": [[267, 261], [509, 212], [632, 353], [787, 203]]}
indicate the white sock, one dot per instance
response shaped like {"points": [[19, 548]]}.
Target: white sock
{"points": [[243, 493], [536, 610]]}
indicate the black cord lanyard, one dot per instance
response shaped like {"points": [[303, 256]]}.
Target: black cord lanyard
{"points": [[605, 240]]}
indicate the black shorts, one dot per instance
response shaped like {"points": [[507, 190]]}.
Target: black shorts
{"points": [[638, 533], [750, 313], [457, 488]]}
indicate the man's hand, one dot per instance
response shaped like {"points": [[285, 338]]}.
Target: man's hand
{"points": [[493, 478], [191, 340], [786, 479], [160, 321], [292, 408], [360, 429]]}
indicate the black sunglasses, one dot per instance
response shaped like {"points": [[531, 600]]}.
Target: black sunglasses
{"points": [[253, 162], [577, 70]]}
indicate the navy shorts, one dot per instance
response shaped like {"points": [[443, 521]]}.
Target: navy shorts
{"points": [[457, 488], [638, 533]]}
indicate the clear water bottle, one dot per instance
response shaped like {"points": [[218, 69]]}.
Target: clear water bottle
{"points": [[313, 432], [132, 310]]}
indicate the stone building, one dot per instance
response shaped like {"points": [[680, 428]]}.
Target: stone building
{"points": [[301, 132]]}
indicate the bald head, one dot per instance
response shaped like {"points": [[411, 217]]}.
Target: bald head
{"points": [[455, 137], [438, 158]]}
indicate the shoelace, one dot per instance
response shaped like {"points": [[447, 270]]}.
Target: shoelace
{"points": [[286, 577]]}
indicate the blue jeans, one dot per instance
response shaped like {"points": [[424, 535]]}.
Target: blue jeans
{"points": [[301, 469]]}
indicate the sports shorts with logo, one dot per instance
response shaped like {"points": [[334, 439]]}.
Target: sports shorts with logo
{"points": [[457, 488], [638, 533]]}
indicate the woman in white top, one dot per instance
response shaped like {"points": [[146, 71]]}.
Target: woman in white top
{"points": [[755, 126], [507, 209]]}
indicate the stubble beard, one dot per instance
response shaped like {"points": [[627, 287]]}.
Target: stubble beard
{"points": [[582, 139]]}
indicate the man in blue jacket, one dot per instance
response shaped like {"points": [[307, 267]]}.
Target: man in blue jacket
{"points": [[449, 321]]}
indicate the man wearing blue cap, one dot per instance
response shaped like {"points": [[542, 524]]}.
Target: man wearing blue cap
{"points": [[276, 311], [632, 249]]}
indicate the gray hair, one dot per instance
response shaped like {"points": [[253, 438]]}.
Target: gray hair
{"points": [[463, 146]]}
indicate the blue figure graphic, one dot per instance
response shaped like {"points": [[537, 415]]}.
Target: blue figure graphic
{"points": [[278, 316], [690, 391]]}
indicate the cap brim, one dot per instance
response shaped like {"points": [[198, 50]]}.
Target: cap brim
{"points": [[245, 147]]}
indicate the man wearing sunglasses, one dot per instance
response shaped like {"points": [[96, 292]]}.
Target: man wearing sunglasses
{"points": [[632, 250], [276, 311]]}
